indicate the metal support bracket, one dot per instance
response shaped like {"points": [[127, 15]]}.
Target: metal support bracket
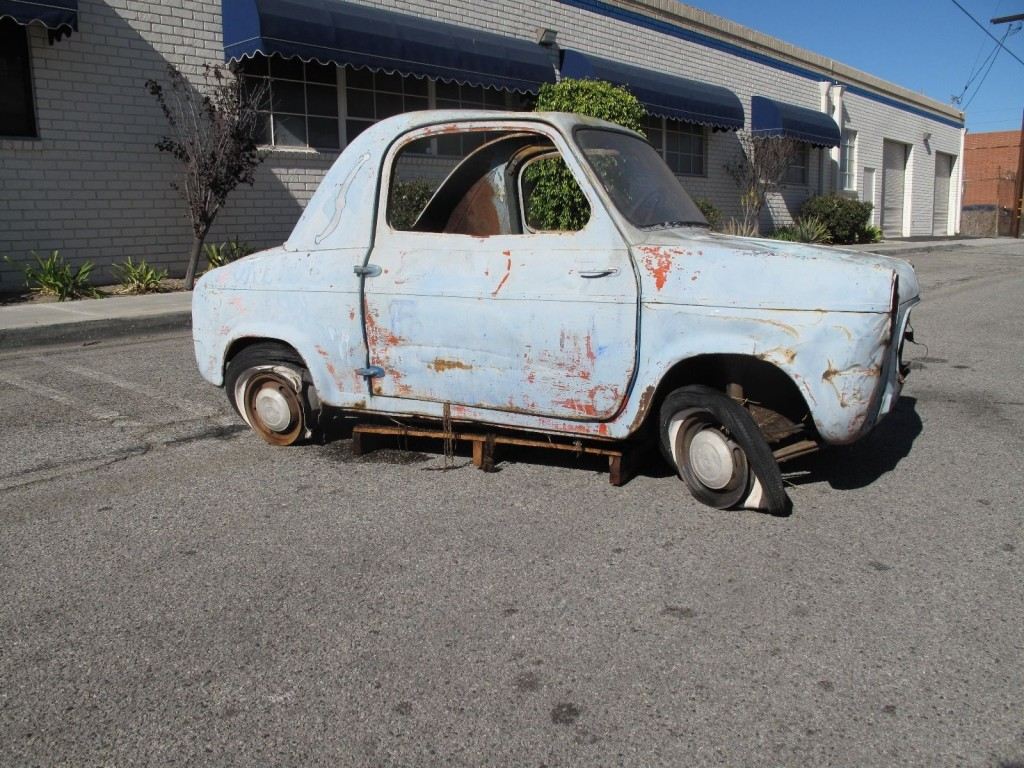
{"points": [[370, 372], [370, 270]]}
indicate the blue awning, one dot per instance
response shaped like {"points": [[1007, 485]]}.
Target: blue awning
{"points": [[663, 95], [59, 16], [332, 31], [776, 118]]}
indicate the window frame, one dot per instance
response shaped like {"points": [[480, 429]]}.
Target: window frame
{"points": [[390, 161], [804, 167], [848, 161], [271, 113], [664, 129], [28, 85]]}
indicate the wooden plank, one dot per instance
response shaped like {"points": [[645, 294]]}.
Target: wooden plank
{"points": [[621, 467]]}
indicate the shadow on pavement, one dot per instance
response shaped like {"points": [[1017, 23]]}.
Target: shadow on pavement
{"points": [[864, 462]]}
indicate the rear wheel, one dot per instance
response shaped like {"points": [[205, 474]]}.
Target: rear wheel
{"points": [[719, 452], [269, 386]]}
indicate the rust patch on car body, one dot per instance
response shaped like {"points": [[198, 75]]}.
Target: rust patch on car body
{"points": [[441, 365]]}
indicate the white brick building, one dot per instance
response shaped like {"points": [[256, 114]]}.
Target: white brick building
{"points": [[79, 171]]}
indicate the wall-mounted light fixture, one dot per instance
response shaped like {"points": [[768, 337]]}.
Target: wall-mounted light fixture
{"points": [[927, 136], [546, 37]]}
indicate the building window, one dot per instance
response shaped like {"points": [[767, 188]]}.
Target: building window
{"points": [[17, 112], [848, 161], [372, 96], [323, 106], [683, 146], [301, 104], [455, 96], [797, 172]]}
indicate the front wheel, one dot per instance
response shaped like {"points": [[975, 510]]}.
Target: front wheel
{"points": [[268, 386], [719, 452]]}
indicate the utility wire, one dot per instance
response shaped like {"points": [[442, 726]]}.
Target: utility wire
{"points": [[977, 88], [983, 29], [977, 70]]}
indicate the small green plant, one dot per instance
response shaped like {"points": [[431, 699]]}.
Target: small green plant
{"points": [[138, 277], [407, 201], [219, 254], [845, 219], [785, 233], [810, 229], [711, 213], [740, 228], [870, 235], [53, 276]]}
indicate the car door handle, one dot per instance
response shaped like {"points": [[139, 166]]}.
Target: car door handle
{"points": [[592, 273]]}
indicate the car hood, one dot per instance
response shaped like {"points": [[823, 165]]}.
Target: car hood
{"points": [[697, 267]]}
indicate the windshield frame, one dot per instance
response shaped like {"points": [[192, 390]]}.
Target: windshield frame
{"points": [[687, 214]]}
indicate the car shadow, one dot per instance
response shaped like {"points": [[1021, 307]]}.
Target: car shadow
{"points": [[864, 462]]}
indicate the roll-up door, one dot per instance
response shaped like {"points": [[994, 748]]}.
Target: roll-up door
{"points": [[894, 172], [940, 213]]}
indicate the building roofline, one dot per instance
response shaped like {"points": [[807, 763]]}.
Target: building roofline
{"points": [[730, 32]]}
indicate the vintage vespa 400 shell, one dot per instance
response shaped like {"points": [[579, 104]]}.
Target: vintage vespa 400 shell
{"points": [[732, 352]]}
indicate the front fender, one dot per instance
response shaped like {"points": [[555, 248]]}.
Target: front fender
{"points": [[835, 359]]}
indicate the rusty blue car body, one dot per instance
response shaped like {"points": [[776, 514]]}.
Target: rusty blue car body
{"points": [[569, 333]]}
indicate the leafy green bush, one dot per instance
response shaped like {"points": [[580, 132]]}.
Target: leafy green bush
{"points": [[870, 235], [53, 276], [138, 277], [711, 213], [219, 254], [408, 199], [556, 202], [785, 233], [845, 219]]}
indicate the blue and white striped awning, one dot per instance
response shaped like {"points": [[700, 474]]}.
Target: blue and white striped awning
{"points": [[59, 16], [333, 31]]}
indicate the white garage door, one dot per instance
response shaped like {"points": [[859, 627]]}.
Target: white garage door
{"points": [[894, 179], [940, 213]]}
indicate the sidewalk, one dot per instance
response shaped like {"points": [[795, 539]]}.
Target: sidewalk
{"points": [[84, 320], [925, 244]]}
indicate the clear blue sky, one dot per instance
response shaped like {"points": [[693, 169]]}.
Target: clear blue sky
{"points": [[928, 46]]}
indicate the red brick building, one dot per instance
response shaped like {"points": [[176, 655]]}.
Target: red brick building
{"points": [[991, 162]]}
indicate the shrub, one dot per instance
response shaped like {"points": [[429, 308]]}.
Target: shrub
{"points": [[740, 228], [711, 213], [53, 276], [219, 254], [557, 203], [138, 277], [408, 199], [844, 218], [870, 235], [810, 229], [785, 233]]}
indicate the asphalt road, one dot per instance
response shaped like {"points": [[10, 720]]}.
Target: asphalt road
{"points": [[174, 592]]}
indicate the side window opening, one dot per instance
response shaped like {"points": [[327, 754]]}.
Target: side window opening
{"points": [[475, 193]]}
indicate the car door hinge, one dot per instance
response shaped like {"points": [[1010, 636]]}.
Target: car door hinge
{"points": [[369, 270], [370, 372]]}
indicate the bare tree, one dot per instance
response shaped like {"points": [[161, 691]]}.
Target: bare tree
{"points": [[214, 135], [758, 169]]}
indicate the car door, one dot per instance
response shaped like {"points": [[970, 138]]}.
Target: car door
{"points": [[504, 318]]}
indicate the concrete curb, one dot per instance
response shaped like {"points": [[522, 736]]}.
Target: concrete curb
{"points": [[86, 331]]}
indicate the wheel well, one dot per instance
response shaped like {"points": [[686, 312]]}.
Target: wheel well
{"points": [[248, 341], [773, 399]]}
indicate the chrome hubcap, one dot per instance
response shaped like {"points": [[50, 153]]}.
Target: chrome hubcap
{"points": [[272, 408], [711, 458]]}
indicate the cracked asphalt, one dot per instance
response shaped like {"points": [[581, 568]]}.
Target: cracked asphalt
{"points": [[174, 592]]}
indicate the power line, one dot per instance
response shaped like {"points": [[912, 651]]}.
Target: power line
{"points": [[983, 29], [977, 88]]}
